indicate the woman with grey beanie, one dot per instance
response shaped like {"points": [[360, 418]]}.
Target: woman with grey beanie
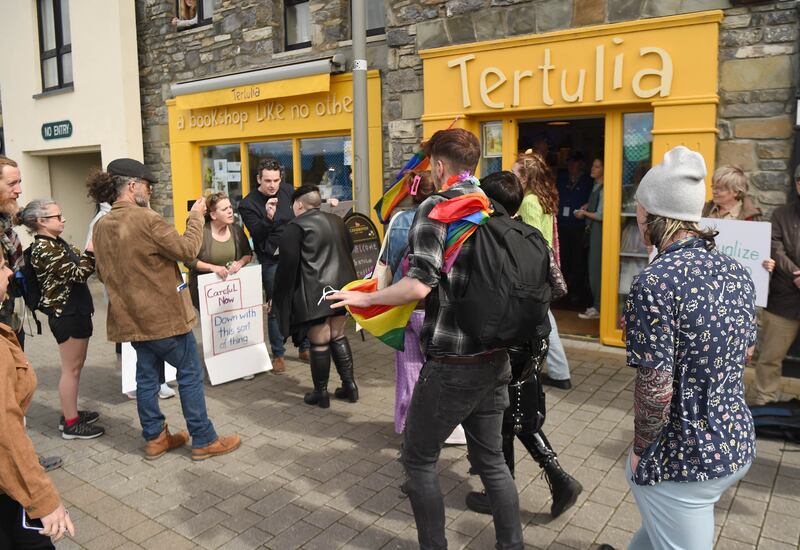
{"points": [[690, 328]]}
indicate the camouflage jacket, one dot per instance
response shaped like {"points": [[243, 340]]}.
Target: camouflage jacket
{"points": [[57, 271]]}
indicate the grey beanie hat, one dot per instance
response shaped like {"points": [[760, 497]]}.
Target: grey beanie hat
{"points": [[675, 188]]}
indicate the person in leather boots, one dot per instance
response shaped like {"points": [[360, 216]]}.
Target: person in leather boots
{"points": [[526, 413], [316, 259]]}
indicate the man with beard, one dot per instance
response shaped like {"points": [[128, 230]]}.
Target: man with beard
{"points": [[136, 253]]}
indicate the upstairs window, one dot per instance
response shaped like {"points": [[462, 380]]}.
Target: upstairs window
{"points": [[297, 16], [193, 13], [55, 44], [376, 18]]}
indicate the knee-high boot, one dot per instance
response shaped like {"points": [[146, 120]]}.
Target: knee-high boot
{"points": [[320, 359], [477, 501], [564, 488], [343, 359]]}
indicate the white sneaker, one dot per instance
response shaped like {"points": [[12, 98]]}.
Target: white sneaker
{"points": [[131, 395], [248, 377], [590, 313], [458, 437], [165, 392]]}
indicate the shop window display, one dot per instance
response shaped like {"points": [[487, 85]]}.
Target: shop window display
{"points": [[279, 150], [327, 162], [222, 171]]}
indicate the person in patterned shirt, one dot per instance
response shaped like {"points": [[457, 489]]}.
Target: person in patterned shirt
{"points": [[690, 328], [62, 271]]}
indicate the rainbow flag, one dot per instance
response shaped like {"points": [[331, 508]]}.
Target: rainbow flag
{"points": [[386, 323], [463, 215], [400, 188]]}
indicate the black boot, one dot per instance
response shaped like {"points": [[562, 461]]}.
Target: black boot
{"points": [[564, 488], [320, 372], [343, 359], [477, 501]]}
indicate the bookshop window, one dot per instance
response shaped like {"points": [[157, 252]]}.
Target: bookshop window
{"points": [[278, 150], [297, 15], [55, 44], [327, 163], [637, 156], [491, 147], [222, 171]]}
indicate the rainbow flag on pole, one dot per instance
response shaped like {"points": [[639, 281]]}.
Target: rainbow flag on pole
{"points": [[386, 323]]}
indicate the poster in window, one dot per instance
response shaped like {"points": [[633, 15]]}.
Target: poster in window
{"points": [[492, 140]]}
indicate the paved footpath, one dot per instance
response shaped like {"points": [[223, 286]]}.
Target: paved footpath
{"points": [[321, 479]]}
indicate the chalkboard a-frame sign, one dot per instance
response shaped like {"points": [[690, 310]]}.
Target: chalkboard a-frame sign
{"points": [[366, 242]]}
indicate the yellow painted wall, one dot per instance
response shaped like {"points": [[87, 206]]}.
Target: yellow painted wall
{"points": [[297, 114], [664, 65]]}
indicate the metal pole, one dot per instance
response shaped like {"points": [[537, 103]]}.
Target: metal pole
{"points": [[360, 135]]}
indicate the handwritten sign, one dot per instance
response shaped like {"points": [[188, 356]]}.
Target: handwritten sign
{"points": [[232, 320], [749, 244], [367, 243]]}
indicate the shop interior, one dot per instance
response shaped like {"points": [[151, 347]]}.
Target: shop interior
{"points": [[570, 145]]}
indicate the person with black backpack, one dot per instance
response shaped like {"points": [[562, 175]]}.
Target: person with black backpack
{"points": [[59, 272], [480, 298]]}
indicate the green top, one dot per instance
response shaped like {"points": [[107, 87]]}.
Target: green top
{"points": [[532, 213], [222, 252]]}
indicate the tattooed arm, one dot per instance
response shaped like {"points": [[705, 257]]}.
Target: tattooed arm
{"points": [[652, 396]]}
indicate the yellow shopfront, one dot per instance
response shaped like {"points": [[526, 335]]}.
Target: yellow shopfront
{"points": [[217, 138], [624, 93]]}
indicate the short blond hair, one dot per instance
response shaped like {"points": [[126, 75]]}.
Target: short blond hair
{"points": [[732, 178]]}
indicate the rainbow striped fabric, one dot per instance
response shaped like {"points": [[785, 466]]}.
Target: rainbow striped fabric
{"points": [[463, 214], [400, 188], [386, 323]]}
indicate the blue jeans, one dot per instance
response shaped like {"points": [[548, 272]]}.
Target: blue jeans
{"points": [[475, 396], [181, 353], [678, 515], [557, 365], [273, 328]]}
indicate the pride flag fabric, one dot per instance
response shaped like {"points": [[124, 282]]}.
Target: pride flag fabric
{"points": [[463, 214], [386, 323], [400, 188]]}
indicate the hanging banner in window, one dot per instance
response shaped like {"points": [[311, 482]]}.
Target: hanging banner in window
{"points": [[232, 322]]}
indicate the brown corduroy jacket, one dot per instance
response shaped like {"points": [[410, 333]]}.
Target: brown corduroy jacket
{"points": [[136, 255], [21, 476]]}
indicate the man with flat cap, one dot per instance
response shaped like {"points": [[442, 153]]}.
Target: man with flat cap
{"points": [[136, 252]]}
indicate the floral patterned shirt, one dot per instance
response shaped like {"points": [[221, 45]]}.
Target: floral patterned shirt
{"points": [[692, 312]]}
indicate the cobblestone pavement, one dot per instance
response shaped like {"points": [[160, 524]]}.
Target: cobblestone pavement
{"points": [[321, 479]]}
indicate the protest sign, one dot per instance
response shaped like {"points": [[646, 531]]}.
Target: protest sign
{"points": [[749, 244], [129, 369], [232, 321]]}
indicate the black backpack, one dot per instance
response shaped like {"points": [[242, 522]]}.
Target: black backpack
{"points": [[507, 297], [29, 288], [779, 420]]}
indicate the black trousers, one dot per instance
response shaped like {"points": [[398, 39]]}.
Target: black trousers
{"points": [[12, 535]]}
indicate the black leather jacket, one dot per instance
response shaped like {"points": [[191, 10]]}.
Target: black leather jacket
{"points": [[315, 252]]}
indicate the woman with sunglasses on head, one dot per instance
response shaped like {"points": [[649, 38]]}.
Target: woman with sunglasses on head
{"points": [[62, 271]]}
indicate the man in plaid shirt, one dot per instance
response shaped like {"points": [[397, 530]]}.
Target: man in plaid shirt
{"points": [[463, 381]]}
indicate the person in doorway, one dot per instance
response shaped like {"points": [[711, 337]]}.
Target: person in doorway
{"points": [[538, 208], [24, 486], [149, 305], [316, 255], [10, 190], [690, 327], [780, 320], [187, 15], [265, 212], [463, 381], [592, 212], [525, 416], [62, 272], [574, 187]]}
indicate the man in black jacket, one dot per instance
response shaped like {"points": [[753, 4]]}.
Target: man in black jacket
{"points": [[265, 212], [780, 320]]}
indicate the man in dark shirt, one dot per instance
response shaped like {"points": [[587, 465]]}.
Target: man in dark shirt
{"points": [[265, 211], [462, 381], [574, 188]]}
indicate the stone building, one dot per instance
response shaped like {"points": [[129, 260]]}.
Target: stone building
{"points": [[617, 79]]}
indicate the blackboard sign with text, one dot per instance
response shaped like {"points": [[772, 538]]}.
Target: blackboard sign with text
{"points": [[366, 241]]}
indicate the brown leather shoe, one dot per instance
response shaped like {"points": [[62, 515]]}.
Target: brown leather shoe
{"points": [[305, 356], [164, 442], [223, 445], [278, 365]]}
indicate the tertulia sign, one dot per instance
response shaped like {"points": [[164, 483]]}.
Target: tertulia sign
{"points": [[57, 130]]}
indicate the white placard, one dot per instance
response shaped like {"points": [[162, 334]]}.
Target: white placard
{"points": [[232, 320], [129, 369], [234, 166], [749, 244], [234, 176]]}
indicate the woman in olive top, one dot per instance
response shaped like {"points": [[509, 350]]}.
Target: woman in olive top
{"points": [[538, 209]]}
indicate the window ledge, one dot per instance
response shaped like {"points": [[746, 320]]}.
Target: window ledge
{"points": [[370, 39], [195, 29], [69, 88], [290, 53]]}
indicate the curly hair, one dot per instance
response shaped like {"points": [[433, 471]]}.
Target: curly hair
{"points": [[426, 187], [537, 179], [102, 186]]}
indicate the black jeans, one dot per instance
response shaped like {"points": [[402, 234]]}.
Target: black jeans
{"points": [[12, 534], [475, 396]]}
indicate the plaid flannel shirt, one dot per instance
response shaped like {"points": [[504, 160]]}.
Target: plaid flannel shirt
{"points": [[441, 334]]}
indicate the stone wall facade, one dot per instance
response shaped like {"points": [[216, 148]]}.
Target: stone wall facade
{"points": [[757, 64]]}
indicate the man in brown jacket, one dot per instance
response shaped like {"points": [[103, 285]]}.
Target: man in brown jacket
{"points": [[780, 321], [136, 253]]}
